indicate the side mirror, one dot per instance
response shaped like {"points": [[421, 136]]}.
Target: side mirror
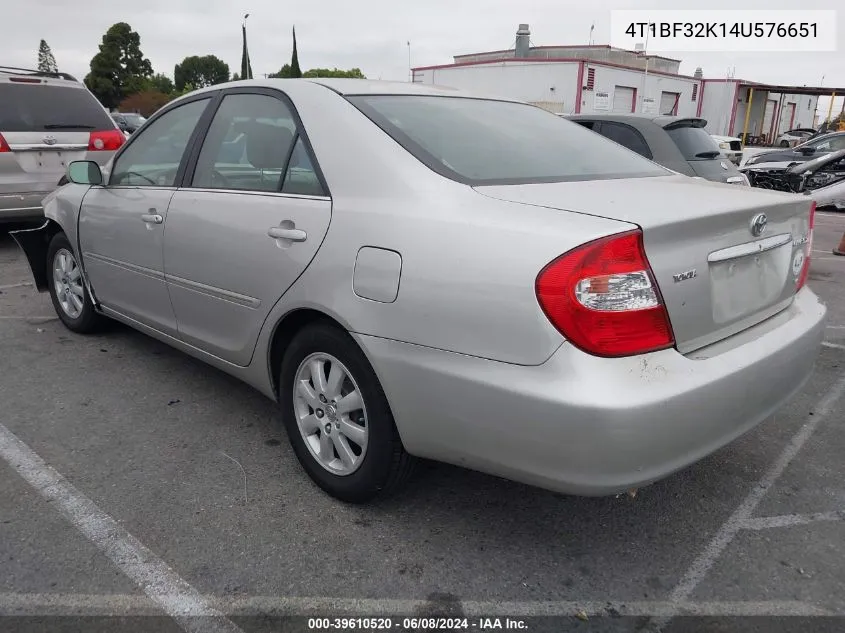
{"points": [[806, 150], [84, 172]]}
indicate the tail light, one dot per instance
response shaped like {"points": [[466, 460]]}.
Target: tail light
{"points": [[804, 263], [106, 140], [4, 146], [603, 298]]}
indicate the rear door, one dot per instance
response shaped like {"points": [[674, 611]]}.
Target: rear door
{"points": [[245, 225], [47, 124], [121, 225]]}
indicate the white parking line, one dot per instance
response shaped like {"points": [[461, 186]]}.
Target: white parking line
{"points": [[726, 534], [159, 582], [833, 345], [765, 523], [23, 604]]}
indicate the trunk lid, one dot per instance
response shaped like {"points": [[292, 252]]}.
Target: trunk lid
{"points": [[717, 275]]}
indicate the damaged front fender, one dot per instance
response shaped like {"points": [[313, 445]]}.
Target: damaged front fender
{"points": [[34, 243]]}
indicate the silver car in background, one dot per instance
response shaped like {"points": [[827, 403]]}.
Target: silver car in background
{"points": [[47, 121], [415, 272]]}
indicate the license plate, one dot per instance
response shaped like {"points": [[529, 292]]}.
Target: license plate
{"points": [[742, 286], [43, 162]]}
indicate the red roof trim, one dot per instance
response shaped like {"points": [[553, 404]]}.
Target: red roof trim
{"points": [[551, 60]]}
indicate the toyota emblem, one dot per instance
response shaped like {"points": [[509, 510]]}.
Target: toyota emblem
{"points": [[49, 140], [758, 224]]}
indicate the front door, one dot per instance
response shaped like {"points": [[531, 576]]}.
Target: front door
{"points": [[245, 225], [121, 225]]}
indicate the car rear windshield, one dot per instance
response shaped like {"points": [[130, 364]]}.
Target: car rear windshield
{"points": [[37, 107], [694, 142], [485, 142]]}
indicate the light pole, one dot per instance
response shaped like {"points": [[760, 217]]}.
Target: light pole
{"points": [[246, 49], [645, 75], [410, 72]]}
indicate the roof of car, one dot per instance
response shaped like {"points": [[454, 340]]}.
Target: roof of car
{"points": [[662, 120], [352, 87]]}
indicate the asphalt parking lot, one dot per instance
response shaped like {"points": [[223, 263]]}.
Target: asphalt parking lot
{"points": [[135, 481]]}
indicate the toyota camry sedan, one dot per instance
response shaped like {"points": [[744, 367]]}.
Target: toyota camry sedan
{"points": [[415, 272]]}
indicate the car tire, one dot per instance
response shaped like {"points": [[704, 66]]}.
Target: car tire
{"points": [[784, 143], [374, 462], [70, 296]]}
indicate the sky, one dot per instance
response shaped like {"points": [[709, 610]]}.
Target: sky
{"points": [[373, 35]]}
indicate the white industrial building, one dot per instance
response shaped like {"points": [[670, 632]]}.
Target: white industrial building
{"points": [[598, 78]]}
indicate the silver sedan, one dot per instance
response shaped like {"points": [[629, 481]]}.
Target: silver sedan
{"points": [[414, 272]]}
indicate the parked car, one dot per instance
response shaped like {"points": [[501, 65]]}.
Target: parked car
{"points": [[822, 178], [47, 121], [794, 137], [800, 153], [411, 272], [128, 121], [679, 143], [731, 148]]}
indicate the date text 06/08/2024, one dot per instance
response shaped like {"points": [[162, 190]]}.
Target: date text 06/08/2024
{"points": [[723, 29], [416, 624]]}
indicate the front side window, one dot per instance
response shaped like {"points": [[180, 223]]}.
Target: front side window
{"points": [[481, 141], [248, 146], [626, 136], [154, 155]]}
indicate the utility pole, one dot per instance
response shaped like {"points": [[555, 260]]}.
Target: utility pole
{"points": [[410, 72]]}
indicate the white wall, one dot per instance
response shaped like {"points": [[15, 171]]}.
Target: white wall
{"points": [[607, 78], [535, 82], [717, 101]]}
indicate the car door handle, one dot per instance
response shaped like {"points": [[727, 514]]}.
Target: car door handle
{"points": [[294, 235], [152, 218]]}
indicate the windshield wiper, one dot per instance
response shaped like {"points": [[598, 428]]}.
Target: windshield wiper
{"points": [[712, 154], [68, 126]]}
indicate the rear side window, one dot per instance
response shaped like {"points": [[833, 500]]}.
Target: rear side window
{"points": [[40, 107], [626, 136], [694, 143], [486, 142]]}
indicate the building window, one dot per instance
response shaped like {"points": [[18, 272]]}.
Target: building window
{"points": [[694, 92], [591, 78]]}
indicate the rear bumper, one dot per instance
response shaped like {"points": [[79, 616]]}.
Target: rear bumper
{"points": [[21, 206], [586, 425]]}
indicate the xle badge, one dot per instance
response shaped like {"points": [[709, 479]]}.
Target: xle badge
{"points": [[690, 274]]}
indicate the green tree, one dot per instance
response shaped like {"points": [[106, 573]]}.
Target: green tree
{"points": [[236, 77], [352, 73], [246, 67], [161, 83], [295, 72], [120, 68], [201, 72], [46, 60], [284, 73]]}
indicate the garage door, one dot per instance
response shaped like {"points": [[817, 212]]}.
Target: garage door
{"points": [[768, 118], [623, 99], [787, 117], [668, 101]]}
